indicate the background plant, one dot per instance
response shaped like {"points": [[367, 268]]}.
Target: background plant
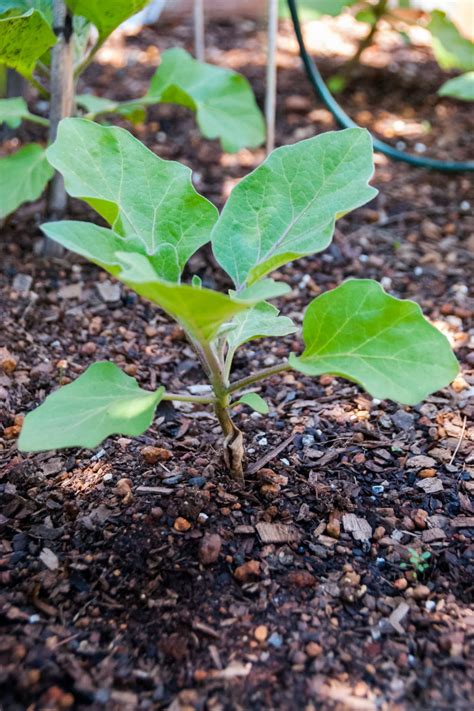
{"points": [[52, 61], [283, 210], [450, 48]]}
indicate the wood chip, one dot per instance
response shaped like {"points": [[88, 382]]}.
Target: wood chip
{"points": [[397, 616], [462, 522], [430, 486], [433, 534], [49, 558], [154, 490], [359, 527], [276, 533]]}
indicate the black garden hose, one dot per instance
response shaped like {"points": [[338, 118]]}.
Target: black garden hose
{"points": [[321, 90]]}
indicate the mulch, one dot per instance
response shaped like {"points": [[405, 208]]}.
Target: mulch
{"points": [[138, 576]]}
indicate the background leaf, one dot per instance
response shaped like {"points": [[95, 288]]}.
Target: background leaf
{"points": [[101, 402], [255, 401], [23, 177], [149, 200], [222, 99], [23, 40], [287, 207], [461, 87], [359, 332], [451, 49], [98, 106], [13, 111], [106, 15]]}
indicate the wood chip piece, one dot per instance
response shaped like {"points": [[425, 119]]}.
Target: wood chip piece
{"points": [[462, 522], [49, 558], [359, 527], [430, 486], [277, 533], [397, 616], [154, 490]]}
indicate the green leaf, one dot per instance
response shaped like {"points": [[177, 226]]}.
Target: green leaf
{"points": [[101, 402], [146, 199], [23, 177], [451, 49], [262, 290], [254, 401], [19, 7], [258, 322], [200, 311], [106, 15], [222, 99], [331, 7], [288, 206], [23, 40], [98, 106], [461, 87], [13, 111], [359, 332]]}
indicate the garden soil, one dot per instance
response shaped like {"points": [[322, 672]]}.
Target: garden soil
{"points": [[138, 576]]}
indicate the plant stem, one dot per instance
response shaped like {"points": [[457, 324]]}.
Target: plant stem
{"points": [[61, 105], [196, 399], [41, 89], [379, 12], [82, 66], [32, 118], [259, 375]]}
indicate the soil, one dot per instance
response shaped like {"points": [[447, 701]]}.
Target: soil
{"points": [[128, 584]]}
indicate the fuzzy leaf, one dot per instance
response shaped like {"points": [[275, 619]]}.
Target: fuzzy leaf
{"points": [[451, 49], [254, 401], [23, 40], [222, 99], [101, 402], [258, 322], [461, 87], [359, 332], [23, 177], [106, 15], [288, 206], [149, 200], [263, 290]]}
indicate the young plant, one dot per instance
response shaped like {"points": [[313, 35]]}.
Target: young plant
{"points": [[222, 99], [283, 210], [450, 48], [417, 563]]}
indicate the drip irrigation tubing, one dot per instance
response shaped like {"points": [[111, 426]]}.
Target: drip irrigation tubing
{"points": [[322, 91]]}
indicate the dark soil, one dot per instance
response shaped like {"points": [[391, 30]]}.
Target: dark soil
{"points": [[114, 596]]}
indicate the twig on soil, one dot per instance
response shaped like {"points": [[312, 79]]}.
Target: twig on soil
{"points": [[461, 437], [270, 455]]}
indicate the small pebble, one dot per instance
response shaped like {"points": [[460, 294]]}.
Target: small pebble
{"points": [[181, 524], [261, 633]]}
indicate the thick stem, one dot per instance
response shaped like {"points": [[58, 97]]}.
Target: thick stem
{"points": [[259, 375], [61, 105], [233, 440], [195, 399]]}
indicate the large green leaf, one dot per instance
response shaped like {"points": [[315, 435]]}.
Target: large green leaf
{"points": [[106, 15], [149, 200], [13, 111], [461, 87], [451, 49], [23, 177], [18, 7], [101, 402], [200, 311], [23, 40], [287, 207], [222, 99], [258, 322], [359, 332]]}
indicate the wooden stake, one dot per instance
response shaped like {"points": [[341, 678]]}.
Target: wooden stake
{"points": [[199, 42], [270, 95]]}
